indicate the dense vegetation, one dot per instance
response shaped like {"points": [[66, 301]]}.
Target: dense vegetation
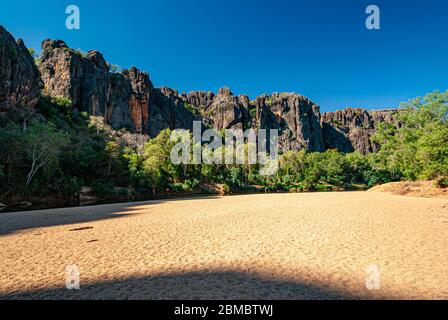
{"points": [[57, 151]]}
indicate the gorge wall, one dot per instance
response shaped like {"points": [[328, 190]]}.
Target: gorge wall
{"points": [[20, 83], [129, 100], [350, 129]]}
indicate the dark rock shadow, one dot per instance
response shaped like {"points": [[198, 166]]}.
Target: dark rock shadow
{"points": [[335, 139], [199, 285]]}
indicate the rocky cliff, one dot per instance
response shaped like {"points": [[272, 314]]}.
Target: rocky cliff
{"points": [[220, 111], [129, 100], [129, 94], [296, 117], [168, 111], [20, 83], [84, 79], [123, 99], [350, 129], [126, 100]]}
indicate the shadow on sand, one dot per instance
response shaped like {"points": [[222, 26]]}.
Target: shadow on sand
{"points": [[16, 221], [200, 285]]}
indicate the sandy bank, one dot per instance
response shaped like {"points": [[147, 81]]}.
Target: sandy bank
{"points": [[276, 246]]}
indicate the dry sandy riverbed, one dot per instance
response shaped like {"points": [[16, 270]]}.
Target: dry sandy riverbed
{"points": [[276, 246]]}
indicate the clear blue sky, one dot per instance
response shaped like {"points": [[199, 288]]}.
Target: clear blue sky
{"points": [[318, 48]]}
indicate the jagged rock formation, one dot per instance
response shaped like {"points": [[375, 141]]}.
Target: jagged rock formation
{"points": [[126, 100], [168, 111], [221, 111], [142, 90], [20, 82], [68, 73], [296, 117], [227, 111], [129, 100], [201, 100], [350, 129]]}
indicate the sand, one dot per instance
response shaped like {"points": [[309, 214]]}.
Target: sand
{"points": [[266, 246]]}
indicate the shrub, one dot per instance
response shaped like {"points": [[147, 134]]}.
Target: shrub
{"points": [[32, 52], [115, 68], [442, 182], [71, 186], [186, 186], [253, 112], [190, 108], [322, 188], [226, 188], [103, 189], [235, 177]]}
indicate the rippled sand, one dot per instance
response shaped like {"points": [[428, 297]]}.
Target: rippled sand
{"points": [[276, 246]]}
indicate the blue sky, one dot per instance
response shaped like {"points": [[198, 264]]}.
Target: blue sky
{"points": [[318, 48]]}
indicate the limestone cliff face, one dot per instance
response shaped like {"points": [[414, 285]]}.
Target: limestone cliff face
{"points": [[220, 111], [142, 90], [296, 117], [126, 100], [68, 73], [123, 99], [20, 82], [226, 111], [201, 100], [350, 129], [118, 113], [129, 100], [168, 111]]}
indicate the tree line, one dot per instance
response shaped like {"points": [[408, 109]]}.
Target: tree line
{"points": [[58, 150]]}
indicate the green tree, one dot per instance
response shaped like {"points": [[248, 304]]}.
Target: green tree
{"points": [[416, 148], [42, 147]]}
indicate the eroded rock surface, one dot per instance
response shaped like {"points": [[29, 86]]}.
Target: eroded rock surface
{"points": [[129, 100], [20, 82], [296, 117], [82, 78], [350, 129]]}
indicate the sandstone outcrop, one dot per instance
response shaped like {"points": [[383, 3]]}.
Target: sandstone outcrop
{"points": [[201, 100], [20, 82]]}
